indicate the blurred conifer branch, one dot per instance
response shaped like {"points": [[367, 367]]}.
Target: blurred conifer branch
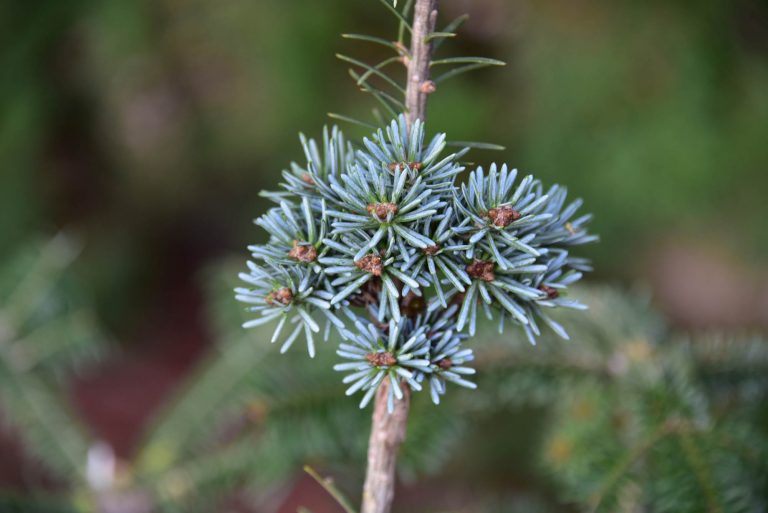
{"points": [[641, 416], [45, 334]]}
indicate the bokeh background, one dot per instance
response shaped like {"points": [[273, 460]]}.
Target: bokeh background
{"points": [[146, 129]]}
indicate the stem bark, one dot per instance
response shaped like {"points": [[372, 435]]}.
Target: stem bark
{"points": [[388, 429], [416, 92], [387, 433]]}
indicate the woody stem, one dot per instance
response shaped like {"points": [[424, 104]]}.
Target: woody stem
{"points": [[388, 429]]}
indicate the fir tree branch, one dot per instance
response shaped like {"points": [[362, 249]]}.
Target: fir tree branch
{"points": [[700, 471], [388, 429], [672, 426]]}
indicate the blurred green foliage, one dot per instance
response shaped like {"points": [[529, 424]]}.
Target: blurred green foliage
{"points": [[47, 333], [152, 126], [627, 416]]}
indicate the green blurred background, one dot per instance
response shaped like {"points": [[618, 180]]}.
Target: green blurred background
{"points": [[148, 128], [151, 127]]}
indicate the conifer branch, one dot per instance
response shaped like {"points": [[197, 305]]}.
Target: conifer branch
{"points": [[388, 429], [378, 242]]}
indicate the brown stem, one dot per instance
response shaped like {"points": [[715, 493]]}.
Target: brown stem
{"points": [[418, 88], [388, 429], [387, 433]]}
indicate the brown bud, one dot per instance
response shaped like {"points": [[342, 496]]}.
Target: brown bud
{"points": [[303, 252], [382, 210], [503, 216], [431, 250], [284, 296], [370, 264], [551, 292], [428, 87], [570, 229], [416, 166], [445, 363], [385, 359], [307, 178], [481, 270]]}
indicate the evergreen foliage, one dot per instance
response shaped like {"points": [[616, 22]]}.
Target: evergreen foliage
{"points": [[385, 230], [656, 439], [374, 246], [46, 333], [641, 417]]}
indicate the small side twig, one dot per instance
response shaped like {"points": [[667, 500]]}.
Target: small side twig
{"points": [[329, 487]]}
